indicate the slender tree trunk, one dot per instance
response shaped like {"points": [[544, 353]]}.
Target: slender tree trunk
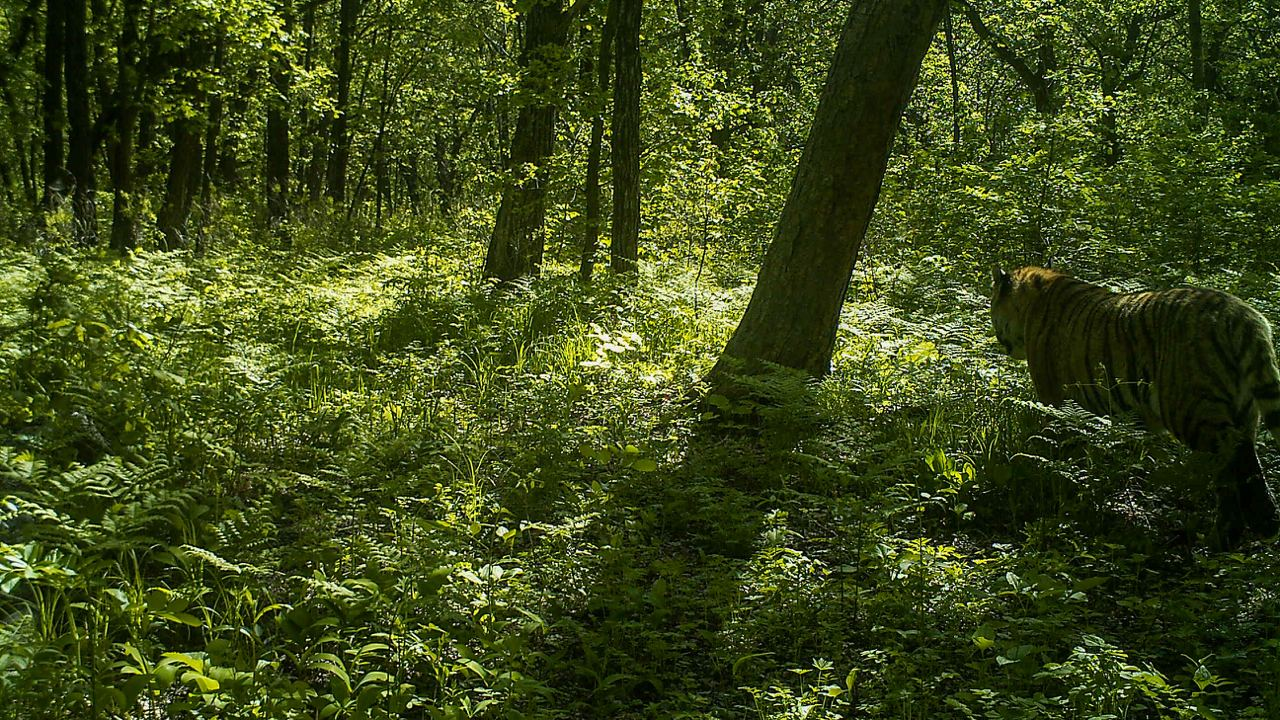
{"points": [[55, 50], [313, 150], [184, 156], [591, 224], [682, 20], [124, 219], [80, 122], [624, 248], [381, 181], [212, 131], [1038, 78], [18, 40], [795, 310], [516, 245], [1112, 147], [277, 136], [339, 142], [1199, 78], [955, 79], [27, 169], [184, 169]]}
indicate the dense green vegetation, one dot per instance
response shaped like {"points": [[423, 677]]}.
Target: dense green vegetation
{"points": [[356, 484], [278, 449]]}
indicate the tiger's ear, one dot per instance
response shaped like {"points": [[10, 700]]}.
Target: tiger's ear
{"points": [[1000, 280]]}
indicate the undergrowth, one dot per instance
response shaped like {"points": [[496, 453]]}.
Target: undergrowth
{"points": [[365, 484]]}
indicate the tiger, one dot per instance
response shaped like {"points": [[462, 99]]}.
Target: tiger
{"points": [[1197, 363]]}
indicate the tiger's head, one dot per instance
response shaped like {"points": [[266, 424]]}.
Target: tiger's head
{"points": [[1008, 311], [1013, 295]]}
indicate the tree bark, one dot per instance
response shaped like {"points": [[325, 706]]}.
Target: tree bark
{"points": [[184, 154], [184, 171], [624, 248], [339, 142], [794, 312], [516, 245], [591, 191], [955, 79], [51, 102], [381, 179], [80, 123], [124, 219], [1199, 78], [277, 135], [212, 132]]}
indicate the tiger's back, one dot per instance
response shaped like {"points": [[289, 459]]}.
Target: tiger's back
{"points": [[1199, 363]]}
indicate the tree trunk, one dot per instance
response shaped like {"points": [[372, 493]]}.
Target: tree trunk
{"points": [[51, 102], [277, 136], [1037, 78], [339, 142], [955, 79], [124, 219], [314, 147], [795, 310], [624, 249], [184, 170], [18, 40], [381, 180], [516, 245], [1199, 78], [212, 131], [184, 154], [80, 123], [683, 21], [591, 211], [26, 167]]}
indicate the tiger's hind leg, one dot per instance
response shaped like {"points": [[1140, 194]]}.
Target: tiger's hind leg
{"points": [[1244, 500]]}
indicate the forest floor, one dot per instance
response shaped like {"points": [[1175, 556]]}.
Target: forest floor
{"points": [[365, 484]]}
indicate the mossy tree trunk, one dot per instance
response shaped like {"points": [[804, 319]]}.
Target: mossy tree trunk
{"points": [[516, 245], [624, 248]]}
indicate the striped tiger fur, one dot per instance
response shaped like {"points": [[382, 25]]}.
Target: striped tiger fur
{"points": [[1198, 363]]}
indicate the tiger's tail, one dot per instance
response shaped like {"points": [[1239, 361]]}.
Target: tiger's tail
{"points": [[1265, 385], [1257, 500]]}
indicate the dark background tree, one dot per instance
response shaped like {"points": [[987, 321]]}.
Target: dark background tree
{"points": [[624, 248], [596, 107], [80, 160], [516, 244], [51, 105], [340, 141]]}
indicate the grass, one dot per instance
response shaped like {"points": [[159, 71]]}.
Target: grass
{"points": [[365, 484]]}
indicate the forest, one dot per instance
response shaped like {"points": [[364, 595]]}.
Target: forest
{"points": [[541, 359]]}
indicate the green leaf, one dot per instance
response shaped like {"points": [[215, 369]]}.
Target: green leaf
{"points": [[202, 681]]}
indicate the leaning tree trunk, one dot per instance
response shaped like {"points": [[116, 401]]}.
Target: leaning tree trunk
{"points": [[80, 123], [516, 245], [51, 101], [795, 309], [623, 251]]}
